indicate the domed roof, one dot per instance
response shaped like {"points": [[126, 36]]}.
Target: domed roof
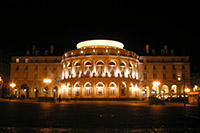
{"points": [[100, 43]]}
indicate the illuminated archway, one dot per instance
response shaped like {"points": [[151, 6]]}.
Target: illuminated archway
{"points": [[174, 90], [112, 89], [123, 88], [88, 89], [100, 88], [77, 87]]}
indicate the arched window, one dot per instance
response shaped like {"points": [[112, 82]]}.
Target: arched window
{"points": [[174, 90], [112, 89], [77, 89], [164, 90], [100, 88], [77, 68], [146, 91], [123, 89], [100, 67], [111, 67], [88, 68], [88, 89], [122, 67], [69, 68], [130, 69]]}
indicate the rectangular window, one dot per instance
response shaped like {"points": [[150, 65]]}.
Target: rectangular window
{"points": [[164, 76], [26, 67], [154, 67], [154, 75], [17, 68], [26, 60], [17, 60], [183, 67], [164, 67], [145, 76], [145, 67], [174, 76], [173, 67]]}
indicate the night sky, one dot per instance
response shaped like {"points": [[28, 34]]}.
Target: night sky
{"points": [[24, 23]]}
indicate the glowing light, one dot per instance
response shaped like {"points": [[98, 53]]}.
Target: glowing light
{"points": [[162, 92], [47, 80], [100, 43], [156, 83], [63, 86], [143, 92], [187, 90], [12, 85]]}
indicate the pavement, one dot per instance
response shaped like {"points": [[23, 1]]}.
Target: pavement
{"points": [[131, 103]]}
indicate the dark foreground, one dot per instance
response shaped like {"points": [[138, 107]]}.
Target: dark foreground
{"points": [[96, 116]]}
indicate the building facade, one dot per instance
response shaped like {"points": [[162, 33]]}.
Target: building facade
{"points": [[100, 69], [171, 72], [28, 73]]}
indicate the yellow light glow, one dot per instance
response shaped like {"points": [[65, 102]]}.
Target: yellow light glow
{"points": [[63, 86], [47, 80], [156, 83], [100, 43], [187, 90], [12, 85]]}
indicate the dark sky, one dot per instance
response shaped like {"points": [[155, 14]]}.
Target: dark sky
{"points": [[24, 23]]}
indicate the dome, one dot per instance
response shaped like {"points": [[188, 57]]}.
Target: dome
{"points": [[100, 43]]}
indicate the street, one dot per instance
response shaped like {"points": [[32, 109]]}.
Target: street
{"points": [[98, 116]]}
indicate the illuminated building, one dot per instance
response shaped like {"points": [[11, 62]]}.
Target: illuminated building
{"points": [[172, 72], [101, 69]]}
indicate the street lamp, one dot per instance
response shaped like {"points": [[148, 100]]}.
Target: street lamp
{"points": [[186, 90], [13, 85], [47, 81]]}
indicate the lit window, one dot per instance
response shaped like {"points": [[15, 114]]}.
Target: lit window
{"points": [[26, 60], [17, 60]]}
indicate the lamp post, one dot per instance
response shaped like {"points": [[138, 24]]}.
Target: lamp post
{"points": [[13, 85], [47, 81], [186, 90]]}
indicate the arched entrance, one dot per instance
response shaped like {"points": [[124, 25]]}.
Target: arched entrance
{"points": [[123, 89], [174, 90], [112, 89], [77, 87], [25, 91], [88, 89], [165, 91], [145, 92], [100, 89]]}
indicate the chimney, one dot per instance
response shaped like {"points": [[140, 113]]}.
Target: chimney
{"points": [[147, 48], [33, 49], [51, 49], [166, 49]]}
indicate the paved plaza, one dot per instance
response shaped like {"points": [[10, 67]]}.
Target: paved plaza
{"points": [[96, 116]]}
